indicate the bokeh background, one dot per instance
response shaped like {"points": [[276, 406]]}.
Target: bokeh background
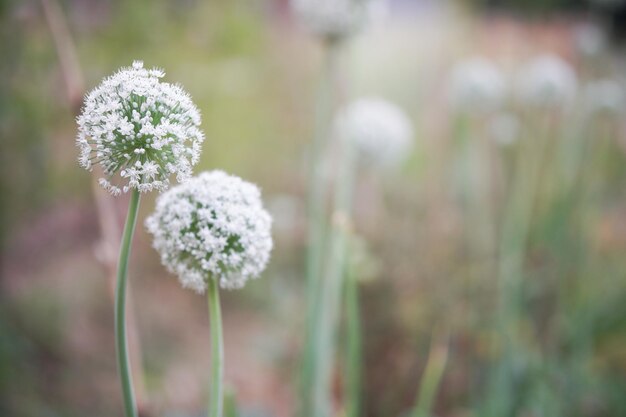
{"points": [[253, 70]]}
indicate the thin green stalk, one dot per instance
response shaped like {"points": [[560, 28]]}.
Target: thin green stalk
{"points": [[433, 373], [317, 223], [331, 286], [130, 405], [217, 350], [516, 230], [353, 347]]}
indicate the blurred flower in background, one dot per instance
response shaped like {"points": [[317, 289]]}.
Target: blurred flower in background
{"points": [[547, 81], [476, 86], [590, 40], [380, 131], [337, 18]]}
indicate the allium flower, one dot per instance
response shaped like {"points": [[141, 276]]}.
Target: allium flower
{"points": [[380, 131], [605, 96], [139, 130], [336, 18], [212, 226], [548, 81], [590, 40], [476, 85]]}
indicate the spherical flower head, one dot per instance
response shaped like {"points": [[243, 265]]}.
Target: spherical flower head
{"points": [[548, 81], [139, 130], [590, 40], [380, 131], [336, 18], [605, 96], [212, 226], [476, 86]]}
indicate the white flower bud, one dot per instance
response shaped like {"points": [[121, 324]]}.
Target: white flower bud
{"points": [[212, 226]]}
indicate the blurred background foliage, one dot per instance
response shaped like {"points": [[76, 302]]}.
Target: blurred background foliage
{"points": [[253, 71]]}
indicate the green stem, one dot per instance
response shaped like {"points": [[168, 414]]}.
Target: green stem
{"points": [[331, 286], [515, 236], [316, 226], [353, 348], [433, 373], [217, 349], [130, 405]]}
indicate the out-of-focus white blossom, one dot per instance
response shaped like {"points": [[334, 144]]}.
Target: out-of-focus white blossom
{"points": [[476, 85], [605, 96], [590, 40], [139, 130], [380, 131], [548, 81], [505, 129], [212, 226], [337, 18]]}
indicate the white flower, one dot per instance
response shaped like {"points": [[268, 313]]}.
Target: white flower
{"points": [[139, 130], [380, 131], [212, 226], [548, 81], [476, 86], [336, 18], [590, 40], [605, 96]]}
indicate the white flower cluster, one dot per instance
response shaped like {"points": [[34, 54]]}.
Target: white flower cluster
{"points": [[212, 226], [476, 86], [548, 81], [381, 132], [140, 130], [590, 40], [336, 18]]}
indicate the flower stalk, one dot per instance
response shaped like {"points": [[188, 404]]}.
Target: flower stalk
{"points": [[317, 223], [515, 236], [353, 346], [217, 350], [331, 285], [121, 342], [433, 374]]}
